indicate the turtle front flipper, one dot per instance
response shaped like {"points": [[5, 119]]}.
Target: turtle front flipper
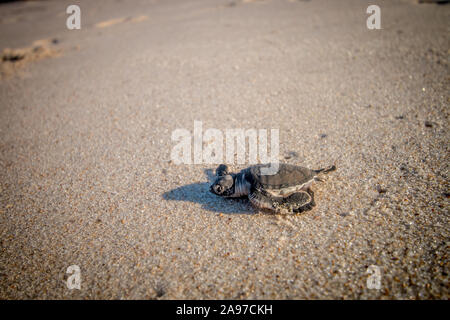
{"points": [[294, 203]]}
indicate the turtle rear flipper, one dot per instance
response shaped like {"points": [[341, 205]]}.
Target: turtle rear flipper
{"points": [[325, 170], [294, 203], [299, 201]]}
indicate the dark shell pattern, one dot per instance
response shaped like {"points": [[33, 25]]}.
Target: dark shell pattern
{"points": [[287, 176]]}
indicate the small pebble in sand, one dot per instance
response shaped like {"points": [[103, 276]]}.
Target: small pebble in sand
{"points": [[428, 124], [381, 189], [291, 154]]}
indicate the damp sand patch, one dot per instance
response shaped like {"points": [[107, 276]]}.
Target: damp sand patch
{"points": [[13, 60]]}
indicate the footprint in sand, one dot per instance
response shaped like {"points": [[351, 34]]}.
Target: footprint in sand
{"points": [[11, 60], [112, 22], [253, 1]]}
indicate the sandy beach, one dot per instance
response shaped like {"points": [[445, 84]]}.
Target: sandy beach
{"points": [[87, 179]]}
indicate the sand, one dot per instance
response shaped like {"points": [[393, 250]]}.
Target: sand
{"points": [[85, 140]]}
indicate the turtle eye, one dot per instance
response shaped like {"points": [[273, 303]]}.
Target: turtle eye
{"points": [[219, 189]]}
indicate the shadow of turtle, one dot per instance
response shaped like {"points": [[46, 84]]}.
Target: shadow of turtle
{"points": [[209, 173], [199, 193]]}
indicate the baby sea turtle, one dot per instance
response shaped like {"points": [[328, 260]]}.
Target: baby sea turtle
{"points": [[287, 191]]}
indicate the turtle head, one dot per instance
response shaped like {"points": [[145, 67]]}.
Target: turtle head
{"points": [[224, 184]]}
